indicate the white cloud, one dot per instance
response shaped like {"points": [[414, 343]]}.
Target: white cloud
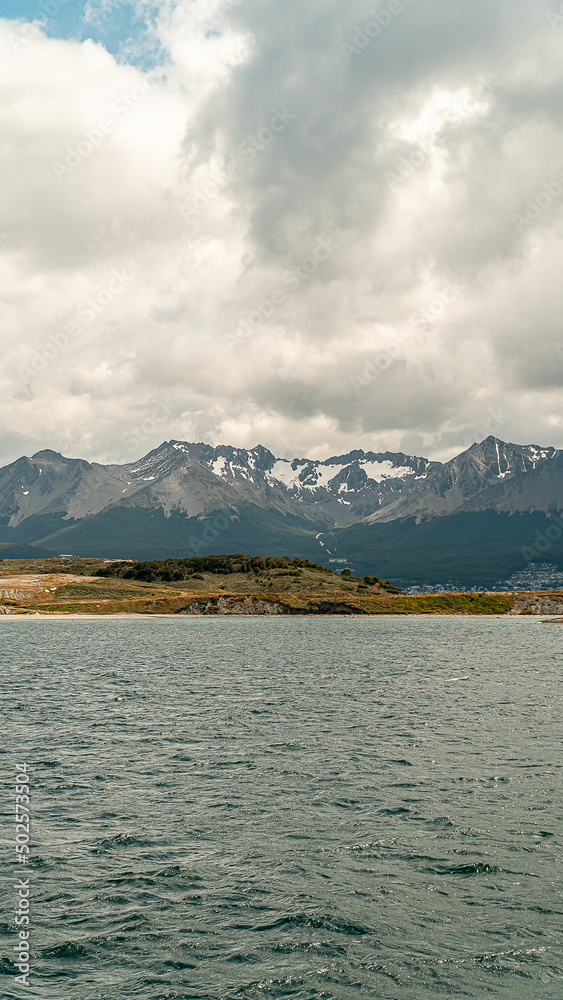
{"points": [[210, 181]]}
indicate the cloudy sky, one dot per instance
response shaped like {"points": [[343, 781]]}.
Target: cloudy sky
{"points": [[314, 224]]}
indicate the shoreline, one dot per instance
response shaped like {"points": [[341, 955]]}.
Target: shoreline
{"points": [[72, 616]]}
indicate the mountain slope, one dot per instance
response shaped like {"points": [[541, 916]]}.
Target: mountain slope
{"points": [[389, 514], [449, 487], [465, 550], [122, 532], [196, 479], [521, 493], [341, 490]]}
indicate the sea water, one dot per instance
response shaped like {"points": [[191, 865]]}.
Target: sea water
{"points": [[235, 809]]}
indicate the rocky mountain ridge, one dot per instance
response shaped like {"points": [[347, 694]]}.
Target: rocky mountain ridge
{"points": [[475, 518], [195, 479]]}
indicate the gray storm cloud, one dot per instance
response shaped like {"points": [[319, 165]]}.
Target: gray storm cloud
{"points": [[316, 226]]}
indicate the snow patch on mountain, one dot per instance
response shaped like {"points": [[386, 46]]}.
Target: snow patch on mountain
{"points": [[284, 473], [218, 466], [313, 476], [537, 455], [378, 471], [323, 474]]}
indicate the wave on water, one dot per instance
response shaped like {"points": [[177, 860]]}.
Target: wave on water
{"points": [[327, 812]]}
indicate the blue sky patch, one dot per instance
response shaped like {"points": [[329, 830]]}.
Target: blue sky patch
{"points": [[119, 29]]}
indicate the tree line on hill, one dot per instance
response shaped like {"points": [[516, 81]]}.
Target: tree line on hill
{"points": [[177, 570]]}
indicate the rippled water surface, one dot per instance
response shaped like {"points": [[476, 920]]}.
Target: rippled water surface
{"points": [[332, 808]]}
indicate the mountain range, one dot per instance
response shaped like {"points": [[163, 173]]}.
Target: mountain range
{"points": [[473, 521]]}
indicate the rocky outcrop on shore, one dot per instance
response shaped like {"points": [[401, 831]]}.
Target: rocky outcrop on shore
{"points": [[536, 604], [224, 605], [228, 606]]}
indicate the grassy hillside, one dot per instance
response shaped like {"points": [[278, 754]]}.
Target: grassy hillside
{"points": [[216, 584], [250, 568]]}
